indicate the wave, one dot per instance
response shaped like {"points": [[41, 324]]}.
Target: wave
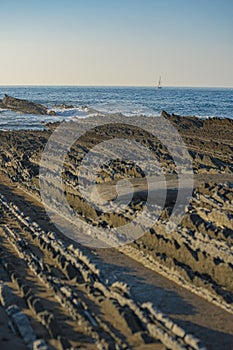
{"points": [[211, 117], [10, 120], [70, 112]]}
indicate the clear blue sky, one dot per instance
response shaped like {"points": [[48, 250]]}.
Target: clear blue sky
{"points": [[116, 42]]}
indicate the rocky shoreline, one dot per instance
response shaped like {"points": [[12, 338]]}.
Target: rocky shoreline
{"points": [[197, 254], [24, 106]]}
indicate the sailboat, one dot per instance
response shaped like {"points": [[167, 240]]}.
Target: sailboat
{"points": [[160, 83]]}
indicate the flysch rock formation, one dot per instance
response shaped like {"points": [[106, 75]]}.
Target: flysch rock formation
{"points": [[143, 320], [24, 106], [197, 254]]}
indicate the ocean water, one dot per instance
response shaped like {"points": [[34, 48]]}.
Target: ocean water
{"points": [[150, 101]]}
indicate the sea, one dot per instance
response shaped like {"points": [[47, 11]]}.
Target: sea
{"points": [[130, 101]]}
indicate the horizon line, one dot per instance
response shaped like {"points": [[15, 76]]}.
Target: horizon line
{"points": [[99, 85]]}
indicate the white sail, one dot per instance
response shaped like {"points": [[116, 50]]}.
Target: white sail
{"points": [[160, 83]]}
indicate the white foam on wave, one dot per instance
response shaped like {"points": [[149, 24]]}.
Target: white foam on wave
{"points": [[70, 112], [126, 108], [208, 116]]}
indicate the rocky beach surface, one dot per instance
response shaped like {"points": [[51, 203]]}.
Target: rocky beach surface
{"points": [[163, 290], [24, 106]]}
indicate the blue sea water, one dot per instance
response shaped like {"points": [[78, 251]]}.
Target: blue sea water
{"points": [[201, 102]]}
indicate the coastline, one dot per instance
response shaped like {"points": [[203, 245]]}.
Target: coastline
{"points": [[204, 102]]}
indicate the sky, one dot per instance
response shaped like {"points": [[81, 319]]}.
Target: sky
{"points": [[116, 42]]}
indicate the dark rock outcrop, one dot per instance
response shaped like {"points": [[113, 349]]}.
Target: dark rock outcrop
{"points": [[24, 106], [64, 105]]}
